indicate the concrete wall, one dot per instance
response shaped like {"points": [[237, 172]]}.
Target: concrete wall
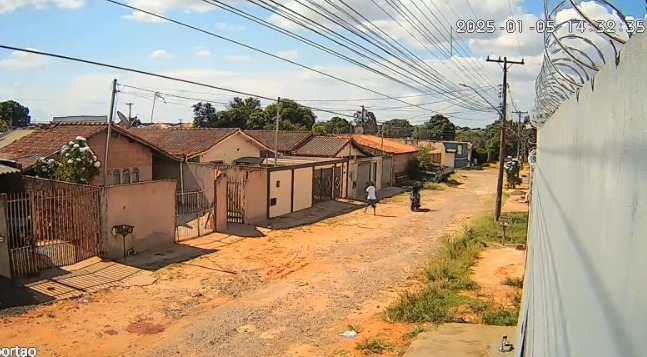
{"points": [[302, 189], [230, 149], [282, 194], [587, 260], [401, 162], [149, 206], [123, 154], [256, 197]]}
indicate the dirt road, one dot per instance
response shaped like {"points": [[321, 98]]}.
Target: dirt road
{"points": [[286, 294]]}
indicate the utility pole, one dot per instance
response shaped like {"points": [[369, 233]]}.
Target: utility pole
{"points": [[276, 132], [350, 139], [499, 185], [519, 134], [110, 119], [130, 110]]}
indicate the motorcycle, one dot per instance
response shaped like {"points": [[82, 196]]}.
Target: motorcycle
{"points": [[415, 201]]}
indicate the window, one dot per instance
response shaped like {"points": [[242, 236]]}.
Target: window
{"points": [[134, 176], [116, 177], [273, 202], [126, 175], [459, 150], [278, 184]]}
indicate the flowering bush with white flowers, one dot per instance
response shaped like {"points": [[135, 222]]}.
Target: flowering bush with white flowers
{"points": [[77, 163], [512, 167]]}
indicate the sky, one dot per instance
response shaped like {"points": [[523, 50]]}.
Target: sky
{"points": [[101, 31]]}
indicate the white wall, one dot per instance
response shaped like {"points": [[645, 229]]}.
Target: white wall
{"points": [[302, 188], [586, 290], [232, 148], [282, 194]]}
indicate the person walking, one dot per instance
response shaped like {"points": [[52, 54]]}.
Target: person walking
{"points": [[371, 199]]}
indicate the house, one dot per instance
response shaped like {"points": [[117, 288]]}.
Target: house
{"points": [[456, 154], [364, 167], [401, 154], [288, 141], [130, 158], [9, 176], [81, 119], [261, 190]]}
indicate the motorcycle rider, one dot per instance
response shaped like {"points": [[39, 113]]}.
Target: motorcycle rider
{"points": [[415, 192]]}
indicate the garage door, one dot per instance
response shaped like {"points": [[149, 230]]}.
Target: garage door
{"points": [[363, 176], [387, 171]]}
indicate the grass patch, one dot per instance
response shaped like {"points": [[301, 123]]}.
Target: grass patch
{"points": [[500, 317], [449, 276], [375, 346], [514, 282], [455, 180], [435, 186], [418, 330]]}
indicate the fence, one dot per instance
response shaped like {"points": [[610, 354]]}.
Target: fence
{"points": [[194, 214], [52, 224]]}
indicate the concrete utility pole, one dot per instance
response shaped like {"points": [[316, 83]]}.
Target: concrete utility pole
{"points": [[276, 132], [130, 110], [499, 186], [519, 134], [110, 119]]}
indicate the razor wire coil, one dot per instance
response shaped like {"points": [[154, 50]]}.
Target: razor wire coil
{"points": [[581, 44]]}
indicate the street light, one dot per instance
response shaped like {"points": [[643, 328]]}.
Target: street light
{"points": [[482, 97]]}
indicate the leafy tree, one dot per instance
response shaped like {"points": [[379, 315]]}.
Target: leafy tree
{"points": [[421, 132], [77, 163], [441, 128], [337, 125], [4, 126], [238, 112], [398, 128], [14, 114], [205, 115], [319, 130], [294, 116], [368, 122]]}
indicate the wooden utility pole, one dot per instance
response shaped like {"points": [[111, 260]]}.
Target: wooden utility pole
{"points": [[110, 119], [499, 186], [519, 134]]}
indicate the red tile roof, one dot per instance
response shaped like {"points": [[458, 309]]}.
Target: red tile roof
{"points": [[323, 146], [384, 145], [181, 142], [288, 140], [47, 141]]}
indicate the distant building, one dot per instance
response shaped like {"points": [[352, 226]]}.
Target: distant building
{"points": [[81, 118]]}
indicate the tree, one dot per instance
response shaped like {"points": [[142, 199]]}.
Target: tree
{"points": [[238, 112], [319, 130], [205, 115], [337, 125], [421, 132], [441, 128], [368, 122], [397, 128], [14, 114], [294, 116], [77, 163], [4, 126]]}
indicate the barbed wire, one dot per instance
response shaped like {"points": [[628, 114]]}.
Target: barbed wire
{"points": [[577, 45]]}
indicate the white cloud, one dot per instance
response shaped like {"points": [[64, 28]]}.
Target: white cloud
{"points": [[223, 26], [237, 59], [289, 55], [163, 6], [7, 6], [160, 54], [203, 53], [22, 61]]}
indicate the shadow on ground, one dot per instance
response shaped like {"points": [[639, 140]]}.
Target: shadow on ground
{"points": [[13, 295]]}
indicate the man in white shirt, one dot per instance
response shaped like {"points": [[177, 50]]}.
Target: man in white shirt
{"points": [[372, 198]]}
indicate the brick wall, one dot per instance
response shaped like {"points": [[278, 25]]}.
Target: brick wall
{"points": [[124, 154]]}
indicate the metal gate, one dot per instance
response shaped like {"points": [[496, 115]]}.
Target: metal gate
{"points": [[337, 183], [363, 176], [52, 224], [323, 184], [387, 170], [194, 214], [236, 199]]}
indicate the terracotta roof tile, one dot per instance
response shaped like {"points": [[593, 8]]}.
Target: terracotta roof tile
{"points": [[47, 141], [387, 146], [288, 140], [181, 142], [323, 146]]}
